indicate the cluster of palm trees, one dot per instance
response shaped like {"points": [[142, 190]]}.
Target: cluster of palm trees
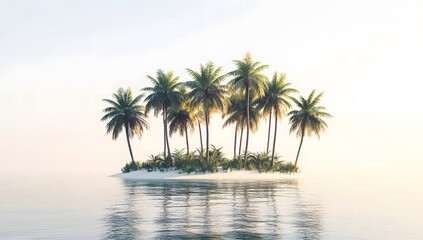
{"points": [[247, 97]]}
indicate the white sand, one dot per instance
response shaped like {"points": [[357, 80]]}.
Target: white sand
{"points": [[177, 175]]}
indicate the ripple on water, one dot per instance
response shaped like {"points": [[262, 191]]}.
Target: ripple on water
{"points": [[228, 210]]}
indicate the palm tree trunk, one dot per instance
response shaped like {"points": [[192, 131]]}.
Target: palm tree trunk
{"points": [[248, 126], [164, 135], [167, 139], [268, 132], [274, 140], [129, 145], [299, 149], [186, 138], [240, 140], [235, 141], [201, 136], [207, 137]]}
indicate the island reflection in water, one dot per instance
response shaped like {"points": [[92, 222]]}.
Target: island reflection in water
{"points": [[219, 210]]}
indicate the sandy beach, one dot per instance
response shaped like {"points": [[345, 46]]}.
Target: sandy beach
{"points": [[241, 175]]}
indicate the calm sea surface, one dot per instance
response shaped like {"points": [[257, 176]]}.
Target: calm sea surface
{"points": [[87, 207]]}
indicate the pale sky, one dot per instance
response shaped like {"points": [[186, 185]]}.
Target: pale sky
{"points": [[58, 59]]}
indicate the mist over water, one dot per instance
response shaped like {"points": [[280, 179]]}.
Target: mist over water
{"points": [[307, 208]]}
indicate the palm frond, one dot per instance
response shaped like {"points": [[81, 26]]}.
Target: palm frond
{"points": [[125, 113], [308, 119]]}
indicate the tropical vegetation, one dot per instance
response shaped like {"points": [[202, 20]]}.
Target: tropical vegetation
{"points": [[308, 119], [275, 102], [243, 101], [162, 96], [207, 93], [181, 117], [249, 79], [125, 113]]}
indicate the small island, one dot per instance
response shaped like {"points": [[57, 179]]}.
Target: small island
{"points": [[243, 101], [236, 175]]}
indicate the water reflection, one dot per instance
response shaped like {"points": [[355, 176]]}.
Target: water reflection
{"points": [[218, 210], [308, 223], [123, 221]]}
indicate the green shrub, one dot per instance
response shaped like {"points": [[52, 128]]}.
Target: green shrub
{"points": [[202, 165], [227, 165], [289, 167], [156, 162], [189, 169], [148, 165], [126, 168], [213, 161], [131, 167], [238, 163], [259, 161], [196, 162], [250, 166], [179, 158], [277, 166]]}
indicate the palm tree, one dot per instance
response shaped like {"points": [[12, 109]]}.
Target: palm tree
{"points": [[125, 113], [248, 77], [181, 118], [237, 114], [198, 118], [276, 101], [207, 93], [162, 95], [308, 119], [234, 116]]}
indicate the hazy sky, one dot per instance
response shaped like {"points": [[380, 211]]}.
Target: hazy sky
{"points": [[58, 59]]}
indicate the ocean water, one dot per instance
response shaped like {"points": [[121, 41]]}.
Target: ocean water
{"points": [[87, 207]]}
